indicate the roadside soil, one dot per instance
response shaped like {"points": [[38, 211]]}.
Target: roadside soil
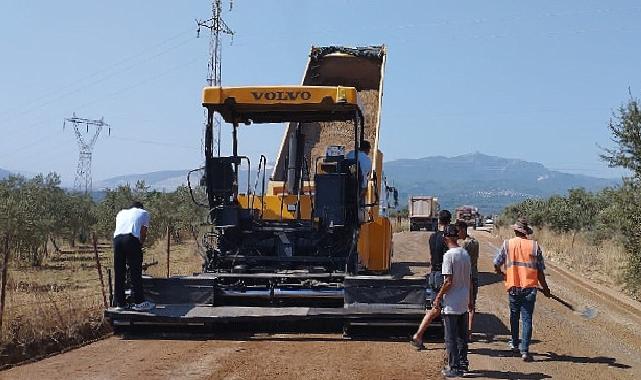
{"points": [[566, 346], [239, 355]]}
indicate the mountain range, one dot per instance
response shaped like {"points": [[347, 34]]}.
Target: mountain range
{"points": [[6, 173], [488, 182], [165, 180]]}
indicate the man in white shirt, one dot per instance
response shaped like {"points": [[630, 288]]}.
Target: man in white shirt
{"points": [[455, 295], [129, 236]]}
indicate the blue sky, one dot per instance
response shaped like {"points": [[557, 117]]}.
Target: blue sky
{"points": [[530, 80]]}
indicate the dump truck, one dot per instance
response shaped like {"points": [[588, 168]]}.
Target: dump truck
{"points": [[470, 215], [311, 242], [423, 212]]}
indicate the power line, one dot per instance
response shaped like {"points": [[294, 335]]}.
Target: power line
{"points": [[46, 138], [36, 142], [109, 68], [73, 90], [152, 142], [139, 83]]}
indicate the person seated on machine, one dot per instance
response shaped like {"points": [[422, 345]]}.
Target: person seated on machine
{"points": [[364, 164]]}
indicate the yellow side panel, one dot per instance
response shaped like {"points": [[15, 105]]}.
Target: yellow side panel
{"points": [[270, 206], [375, 244], [280, 94], [278, 187]]}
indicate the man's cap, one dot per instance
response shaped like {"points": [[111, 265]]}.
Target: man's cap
{"points": [[444, 216], [365, 145], [522, 226], [136, 204], [451, 231]]}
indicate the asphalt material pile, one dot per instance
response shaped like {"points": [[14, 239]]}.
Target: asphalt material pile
{"points": [[318, 136]]}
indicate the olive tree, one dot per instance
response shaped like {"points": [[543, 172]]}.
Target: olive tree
{"points": [[625, 127]]}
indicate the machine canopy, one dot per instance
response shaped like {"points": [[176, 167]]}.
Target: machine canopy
{"points": [[277, 104]]}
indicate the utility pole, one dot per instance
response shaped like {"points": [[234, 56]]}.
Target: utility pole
{"points": [[217, 28], [87, 132]]}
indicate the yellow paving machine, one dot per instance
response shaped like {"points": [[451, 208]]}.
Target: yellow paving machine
{"points": [[309, 241]]}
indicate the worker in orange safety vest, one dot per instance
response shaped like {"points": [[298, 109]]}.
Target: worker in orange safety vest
{"points": [[522, 260]]}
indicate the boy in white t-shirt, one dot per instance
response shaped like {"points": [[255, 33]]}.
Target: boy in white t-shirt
{"points": [[454, 300]]}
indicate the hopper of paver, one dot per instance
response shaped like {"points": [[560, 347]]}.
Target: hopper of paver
{"points": [[361, 68]]}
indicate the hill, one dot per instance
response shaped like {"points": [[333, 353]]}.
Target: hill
{"points": [[488, 182], [164, 180], [4, 173]]}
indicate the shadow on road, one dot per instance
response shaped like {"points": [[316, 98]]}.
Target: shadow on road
{"points": [[490, 323], [489, 328], [404, 268], [552, 357], [507, 353], [320, 331], [506, 375], [489, 278]]}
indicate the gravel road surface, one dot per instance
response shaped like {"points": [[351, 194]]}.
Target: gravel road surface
{"points": [[566, 346]]}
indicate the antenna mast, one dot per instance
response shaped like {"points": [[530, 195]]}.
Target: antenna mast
{"points": [[217, 28]]}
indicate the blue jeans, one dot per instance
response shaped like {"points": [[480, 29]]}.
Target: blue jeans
{"points": [[522, 306]]}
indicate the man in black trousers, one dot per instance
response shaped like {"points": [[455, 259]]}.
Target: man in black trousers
{"points": [[129, 236]]}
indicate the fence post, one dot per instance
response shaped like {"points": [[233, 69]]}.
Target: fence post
{"points": [[111, 290], [168, 249], [99, 269], [3, 286]]}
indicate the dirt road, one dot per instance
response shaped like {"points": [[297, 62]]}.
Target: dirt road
{"points": [[565, 346]]}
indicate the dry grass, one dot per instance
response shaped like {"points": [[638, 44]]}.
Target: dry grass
{"points": [[60, 304], [402, 226], [184, 259], [603, 263], [52, 307]]}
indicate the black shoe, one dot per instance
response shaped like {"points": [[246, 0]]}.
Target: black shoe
{"points": [[526, 357], [417, 344], [450, 373]]}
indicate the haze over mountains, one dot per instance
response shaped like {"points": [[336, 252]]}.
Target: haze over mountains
{"points": [[488, 182], [164, 180], [6, 173]]}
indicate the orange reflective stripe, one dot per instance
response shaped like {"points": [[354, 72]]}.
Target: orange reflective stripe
{"points": [[521, 263]]}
